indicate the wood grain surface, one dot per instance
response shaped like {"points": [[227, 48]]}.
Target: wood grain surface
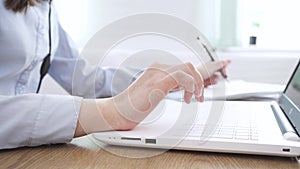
{"points": [[86, 153]]}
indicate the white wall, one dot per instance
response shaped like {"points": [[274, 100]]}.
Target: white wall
{"points": [[225, 22], [73, 16], [83, 18]]}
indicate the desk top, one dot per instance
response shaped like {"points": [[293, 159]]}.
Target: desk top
{"points": [[84, 153]]}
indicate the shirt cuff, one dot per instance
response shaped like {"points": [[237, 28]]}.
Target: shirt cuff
{"points": [[56, 121]]}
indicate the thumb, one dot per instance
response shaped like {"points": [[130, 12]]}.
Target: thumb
{"points": [[208, 69]]}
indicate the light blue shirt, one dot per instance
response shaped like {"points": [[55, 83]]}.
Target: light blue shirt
{"points": [[30, 119]]}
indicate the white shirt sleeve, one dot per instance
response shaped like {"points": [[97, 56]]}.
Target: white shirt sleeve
{"points": [[80, 78], [27, 118], [31, 120]]}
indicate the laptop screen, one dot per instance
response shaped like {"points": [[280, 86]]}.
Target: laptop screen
{"points": [[293, 89], [290, 101]]}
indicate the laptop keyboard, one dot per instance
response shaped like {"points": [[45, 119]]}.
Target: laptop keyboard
{"points": [[224, 132], [235, 122], [232, 125]]}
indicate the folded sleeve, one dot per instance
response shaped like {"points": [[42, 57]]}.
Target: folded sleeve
{"points": [[32, 120]]}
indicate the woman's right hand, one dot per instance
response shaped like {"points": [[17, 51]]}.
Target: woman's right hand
{"points": [[129, 108]]}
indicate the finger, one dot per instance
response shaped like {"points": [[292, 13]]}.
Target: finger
{"points": [[222, 63], [188, 97], [184, 80], [209, 68], [198, 79], [211, 81], [191, 70], [201, 97], [176, 88], [181, 79], [199, 84], [225, 63]]}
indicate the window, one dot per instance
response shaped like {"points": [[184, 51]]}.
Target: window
{"points": [[274, 22]]}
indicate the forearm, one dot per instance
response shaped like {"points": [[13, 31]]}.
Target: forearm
{"points": [[98, 115]]}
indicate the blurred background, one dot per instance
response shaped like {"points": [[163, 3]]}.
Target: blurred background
{"points": [[226, 23]]}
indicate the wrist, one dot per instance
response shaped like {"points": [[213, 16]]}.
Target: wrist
{"points": [[92, 117], [98, 115], [114, 116]]}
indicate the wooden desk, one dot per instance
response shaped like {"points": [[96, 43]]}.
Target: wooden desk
{"points": [[84, 153]]}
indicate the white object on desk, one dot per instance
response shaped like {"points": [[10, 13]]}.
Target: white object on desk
{"points": [[237, 90]]}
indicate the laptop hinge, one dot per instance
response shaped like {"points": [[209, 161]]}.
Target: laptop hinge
{"points": [[286, 128]]}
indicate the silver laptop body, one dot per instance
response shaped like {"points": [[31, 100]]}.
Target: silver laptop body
{"points": [[249, 127]]}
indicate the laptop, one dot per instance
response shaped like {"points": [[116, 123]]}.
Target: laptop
{"points": [[244, 127]]}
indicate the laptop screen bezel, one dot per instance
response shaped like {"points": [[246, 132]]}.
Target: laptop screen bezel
{"points": [[292, 76], [288, 106]]}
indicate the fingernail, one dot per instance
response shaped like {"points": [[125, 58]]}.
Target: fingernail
{"points": [[202, 99], [188, 100]]}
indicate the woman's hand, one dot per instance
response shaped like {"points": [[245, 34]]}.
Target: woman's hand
{"points": [[210, 71], [129, 108]]}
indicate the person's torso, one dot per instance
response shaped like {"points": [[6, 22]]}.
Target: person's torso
{"points": [[24, 42]]}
